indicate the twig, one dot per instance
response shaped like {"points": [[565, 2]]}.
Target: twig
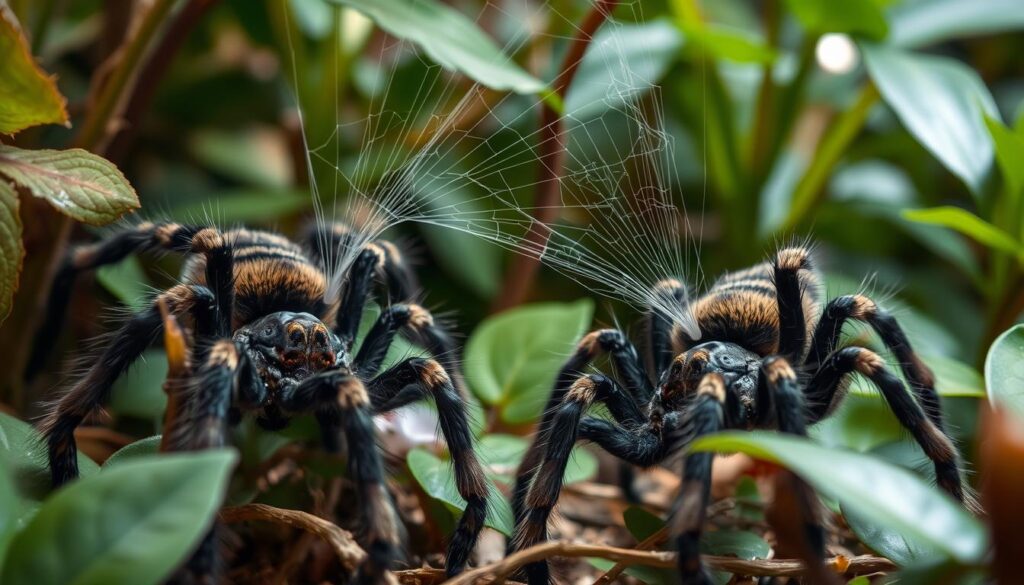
{"points": [[772, 568], [522, 270], [349, 553]]}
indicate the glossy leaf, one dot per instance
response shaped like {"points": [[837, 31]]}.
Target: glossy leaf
{"points": [[877, 491], [955, 378], [1004, 370], [621, 63], [75, 182], [1010, 155], [734, 543], [25, 452], [941, 102], [968, 224], [450, 39], [436, 478], [132, 524], [916, 24], [28, 96], [512, 359], [10, 505], [893, 545], [140, 448], [728, 43], [862, 17], [12, 252]]}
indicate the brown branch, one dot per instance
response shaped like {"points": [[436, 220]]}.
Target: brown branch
{"points": [[349, 553], [154, 69], [522, 270], [497, 572]]}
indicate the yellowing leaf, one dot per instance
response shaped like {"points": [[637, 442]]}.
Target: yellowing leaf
{"points": [[77, 183], [28, 97], [11, 250]]}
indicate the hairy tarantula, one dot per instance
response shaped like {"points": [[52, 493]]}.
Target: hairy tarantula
{"points": [[764, 359], [265, 340]]}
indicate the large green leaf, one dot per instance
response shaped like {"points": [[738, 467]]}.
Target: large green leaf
{"points": [[862, 422], [968, 224], [10, 507], [891, 544], [28, 96], [12, 252], [132, 524], [436, 478], [25, 451], [941, 102], [862, 17], [878, 492], [75, 182], [1004, 370], [140, 448], [621, 63], [449, 38], [915, 24], [513, 357]]}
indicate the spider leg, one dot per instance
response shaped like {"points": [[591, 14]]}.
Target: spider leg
{"points": [[823, 393], [416, 323], [326, 243], [782, 389], [168, 236], [627, 364], [340, 400], [671, 292], [861, 308], [415, 379], [705, 416], [792, 273], [93, 389], [555, 446]]}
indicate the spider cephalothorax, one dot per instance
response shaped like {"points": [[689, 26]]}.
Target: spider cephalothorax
{"points": [[766, 355], [266, 339]]}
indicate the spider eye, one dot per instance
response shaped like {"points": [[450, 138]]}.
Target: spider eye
{"points": [[268, 330]]}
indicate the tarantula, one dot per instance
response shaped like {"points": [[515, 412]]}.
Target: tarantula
{"points": [[267, 340], [764, 359]]}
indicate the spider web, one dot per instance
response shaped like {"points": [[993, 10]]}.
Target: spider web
{"points": [[457, 155]]}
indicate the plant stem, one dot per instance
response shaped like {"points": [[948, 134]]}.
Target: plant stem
{"points": [[97, 124], [765, 121], [522, 270], [810, 190]]}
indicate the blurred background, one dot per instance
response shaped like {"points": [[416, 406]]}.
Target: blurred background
{"points": [[890, 134]]}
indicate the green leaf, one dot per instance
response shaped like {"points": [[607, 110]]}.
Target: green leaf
{"points": [[252, 156], [501, 455], [139, 392], [127, 281], [10, 506], [862, 422], [941, 102], [12, 252], [916, 24], [862, 17], [968, 224], [955, 378], [244, 206], [893, 545], [25, 452], [641, 523], [132, 524], [734, 543], [436, 478], [512, 358], [877, 491], [1004, 370], [1009, 154], [140, 448], [450, 39], [75, 182], [28, 96], [621, 63], [729, 43]]}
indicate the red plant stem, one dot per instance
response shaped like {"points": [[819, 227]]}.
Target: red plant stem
{"points": [[522, 271]]}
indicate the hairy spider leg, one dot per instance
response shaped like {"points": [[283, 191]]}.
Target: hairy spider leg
{"points": [[823, 392], [555, 447], [417, 379], [326, 243]]}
